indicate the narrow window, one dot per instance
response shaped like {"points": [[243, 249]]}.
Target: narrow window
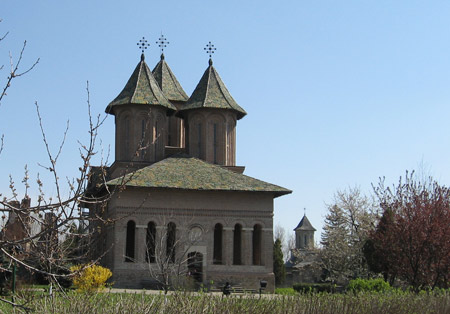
{"points": [[150, 242], [256, 239], [130, 241], [170, 245], [237, 245], [142, 145], [155, 140], [199, 127], [169, 136], [215, 142], [306, 242], [127, 138], [217, 254]]}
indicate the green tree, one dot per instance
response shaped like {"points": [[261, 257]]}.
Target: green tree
{"points": [[278, 263]]}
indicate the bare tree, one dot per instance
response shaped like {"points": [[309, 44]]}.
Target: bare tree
{"points": [[287, 241], [172, 262], [49, 234], [350, 218]]}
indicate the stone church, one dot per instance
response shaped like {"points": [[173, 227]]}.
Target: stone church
{"points": [[182, 200]]}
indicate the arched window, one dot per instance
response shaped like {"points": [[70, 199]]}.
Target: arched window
{"points": [[217, 254], [150, 242], [143, 143], [256, 240], [237, 245], [171, 238], [126, 138], [130, 241]]}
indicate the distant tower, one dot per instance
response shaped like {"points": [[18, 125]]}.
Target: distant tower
{"points": [[304, 234]]}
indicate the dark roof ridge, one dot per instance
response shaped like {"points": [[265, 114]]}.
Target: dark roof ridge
{"points": [[304, 224]]}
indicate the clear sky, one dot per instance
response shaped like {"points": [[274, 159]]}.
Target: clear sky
{"points": [[338, 93]]}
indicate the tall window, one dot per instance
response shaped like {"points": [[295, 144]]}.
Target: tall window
{"points": [[256, 240], [215, 142], [143, 145], [237, 245], [130, 241], [217, 254], [171, 238], [127, 138], [199, 128], [150, 242], [155, 141]]}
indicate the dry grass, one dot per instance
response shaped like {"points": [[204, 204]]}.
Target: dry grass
{"points": [[180, 303]]}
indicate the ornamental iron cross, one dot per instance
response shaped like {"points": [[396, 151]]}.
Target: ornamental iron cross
{"points": [[142, 44], [210, 49], [162, 43]]}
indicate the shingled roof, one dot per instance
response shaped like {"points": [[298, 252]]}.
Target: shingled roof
{"points": [[212, 93], [141, 89], [189, 173], [167, 81], [305, 225]]}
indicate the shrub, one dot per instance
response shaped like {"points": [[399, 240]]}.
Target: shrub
{"points": [[314, 287], [285, 291], [369, 285], [90, 278]]}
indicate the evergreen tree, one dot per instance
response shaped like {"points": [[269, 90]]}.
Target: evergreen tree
{"points": [[278, 263]]}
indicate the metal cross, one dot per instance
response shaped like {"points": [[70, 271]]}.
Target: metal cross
{"points": [[142, 44], [210, 49], [162, 43]]}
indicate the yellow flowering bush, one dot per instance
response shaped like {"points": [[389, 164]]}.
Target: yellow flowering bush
{"points": [[90, 278]]}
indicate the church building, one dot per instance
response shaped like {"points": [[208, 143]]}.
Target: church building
{"points": [[183, 206]]}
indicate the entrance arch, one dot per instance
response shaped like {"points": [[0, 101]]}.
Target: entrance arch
{"points": [[195, 266]]}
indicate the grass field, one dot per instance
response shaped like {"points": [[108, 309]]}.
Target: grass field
{"points": [[180, 303]]}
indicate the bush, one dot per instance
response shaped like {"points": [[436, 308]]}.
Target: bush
{"points": [[285, 291], [314, 287], [90, 278], [369, 285]]}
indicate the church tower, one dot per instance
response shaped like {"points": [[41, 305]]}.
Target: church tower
{"points": [[210, 115], [140, 111], [173, 91], [304, 234]]}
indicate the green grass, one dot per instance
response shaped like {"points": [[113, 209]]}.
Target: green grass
{"points": [[181, 303]]}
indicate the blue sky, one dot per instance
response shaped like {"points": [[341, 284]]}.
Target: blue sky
{"points": [[338, 93]]}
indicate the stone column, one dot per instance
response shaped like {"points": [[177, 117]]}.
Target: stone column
{"points": [[267, 252], [227, 247], [161, 241], [140, 244], [120, 243], [247, 246]]}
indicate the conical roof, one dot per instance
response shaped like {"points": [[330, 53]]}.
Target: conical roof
{"points": [[212, 93], [141, 89], [305, 225], [168, 83]]}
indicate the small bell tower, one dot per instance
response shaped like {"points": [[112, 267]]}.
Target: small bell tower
{"points": [[304, 234]]}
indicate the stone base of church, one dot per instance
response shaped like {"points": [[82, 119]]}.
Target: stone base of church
{"points": [[141, 279], [247, 280]]}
